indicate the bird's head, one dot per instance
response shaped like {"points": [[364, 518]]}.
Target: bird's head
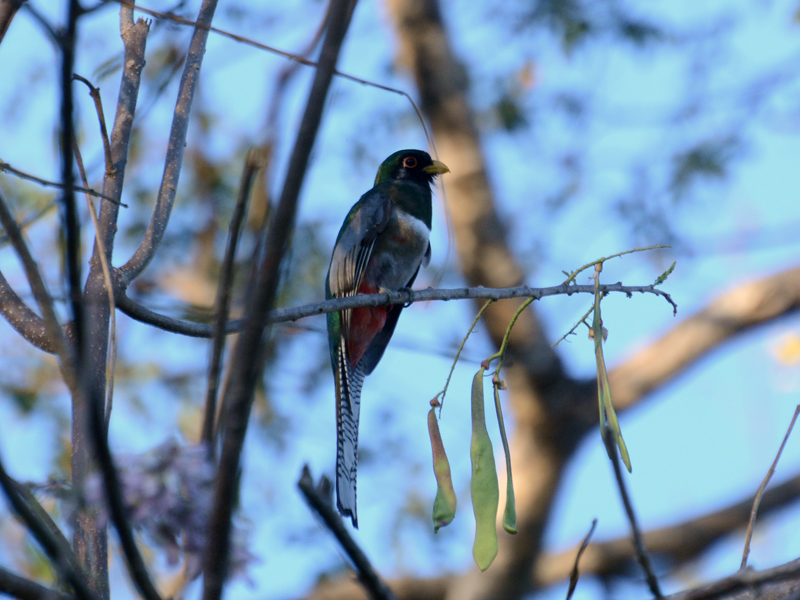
{"points": [[413, 165]]}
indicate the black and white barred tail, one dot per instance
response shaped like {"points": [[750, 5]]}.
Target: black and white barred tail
{"points": [[348, 389]]}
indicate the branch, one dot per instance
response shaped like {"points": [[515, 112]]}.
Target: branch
{"points": [[25, 589], [8, 8], [90, 539], [39, 289], [248, 356], [323, 506], [760, 492], [253, 162], [72, 228], [778, 582], [7, 168], [60, 554], [679, 544], [406, 297], [175, 148], [732, 313], [24, 321], [638, 542]]}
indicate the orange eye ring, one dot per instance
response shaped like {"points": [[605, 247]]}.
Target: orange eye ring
{"points": [[409, 162]]}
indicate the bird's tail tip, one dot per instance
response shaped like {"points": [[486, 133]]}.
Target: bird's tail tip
{"points": [[348, 512]]}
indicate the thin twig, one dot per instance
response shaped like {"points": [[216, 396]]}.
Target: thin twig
{"points": [[7, 168], [295, 57], [573, 577], [248, 355], [55, 36], [323, 506], [761, 488], [52, 546], [137, 311], [252, 163], [440, 396], [94, 92], [577, 324], [638, 540], [30, 220], [175, 148], [571, 276]]}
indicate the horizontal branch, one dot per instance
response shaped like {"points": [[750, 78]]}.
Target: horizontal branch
{"points": [[406, 297]]}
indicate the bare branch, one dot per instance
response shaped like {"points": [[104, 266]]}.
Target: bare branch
{"points": [[763, 485], [746, 584], [406, 297], [60, 554], [26, 589], [638, 540], [177, 142], [94, 92], [116, 504], [253, 162], [39, 289], [72, 231], [679, 544], [248, 355], [24, 321], [51, 32], [575, 574], [320, 501], [7, 168], [8, 8]]}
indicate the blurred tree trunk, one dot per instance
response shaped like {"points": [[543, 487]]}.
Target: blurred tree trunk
{"points": [[551, 411]]}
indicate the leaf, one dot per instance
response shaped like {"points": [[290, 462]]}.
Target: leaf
{"points": [[663, 277], [444, 506], [484, 486], [510, 513]]}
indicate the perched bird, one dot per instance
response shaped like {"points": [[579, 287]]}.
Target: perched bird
{"points": [[381, 245]]}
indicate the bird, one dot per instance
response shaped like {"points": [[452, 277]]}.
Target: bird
{"points": [[381, 246]]}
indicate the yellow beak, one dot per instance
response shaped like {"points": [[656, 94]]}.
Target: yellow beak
{"points": [[437, 168]]}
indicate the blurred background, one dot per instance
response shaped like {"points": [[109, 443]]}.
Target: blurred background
{"points": [[599, 127]]}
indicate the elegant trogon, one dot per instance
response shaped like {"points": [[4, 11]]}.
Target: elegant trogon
{"points": [[381, 246]]}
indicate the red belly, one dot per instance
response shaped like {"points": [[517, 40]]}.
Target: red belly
{"points": [[365, 323]]}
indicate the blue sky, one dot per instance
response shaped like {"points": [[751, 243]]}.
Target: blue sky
{"points": [[704, 440]]}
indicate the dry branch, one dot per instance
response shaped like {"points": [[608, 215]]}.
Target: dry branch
{"points": [[248, 354]]}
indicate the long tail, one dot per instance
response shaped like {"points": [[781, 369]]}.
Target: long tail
{"points": [[348, 405]]}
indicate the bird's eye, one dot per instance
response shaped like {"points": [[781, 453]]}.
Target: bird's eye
{"points": [[410, 162]]}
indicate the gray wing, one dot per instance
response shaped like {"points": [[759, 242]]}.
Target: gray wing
{"points": [[368, 218]]}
